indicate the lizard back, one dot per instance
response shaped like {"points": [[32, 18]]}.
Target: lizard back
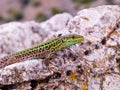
{"points": [[44, 50]]}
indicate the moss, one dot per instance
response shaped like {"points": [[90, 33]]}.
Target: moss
{"points": [[83, 1], [56, 10], [40, 17]]}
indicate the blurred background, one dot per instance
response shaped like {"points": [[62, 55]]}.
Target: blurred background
{"points": [[40, 10]]}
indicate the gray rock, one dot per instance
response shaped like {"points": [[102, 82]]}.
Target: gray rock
{"points": [[88, 65]]}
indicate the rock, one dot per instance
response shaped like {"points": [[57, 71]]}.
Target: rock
{"points": [[88, 65]]}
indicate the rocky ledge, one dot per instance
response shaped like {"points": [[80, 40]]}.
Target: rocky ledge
{"points": [[93, 64]]}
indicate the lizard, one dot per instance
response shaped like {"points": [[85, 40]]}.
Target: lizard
{"points": [[44, 51]]}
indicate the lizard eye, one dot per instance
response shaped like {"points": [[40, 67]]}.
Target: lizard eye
{"points": [[59, 35]]}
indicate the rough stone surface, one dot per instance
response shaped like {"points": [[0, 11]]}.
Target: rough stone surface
{"points": [[90, 65]]}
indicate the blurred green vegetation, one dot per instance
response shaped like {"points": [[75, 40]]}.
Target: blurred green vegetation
{"points": [[111, 2], [83, 1], [15, 15], [36, 3], [42, 14], [40, 17], [25, 2], [1, 18], [56, 10]]}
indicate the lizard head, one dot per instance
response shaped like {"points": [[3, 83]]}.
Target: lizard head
{"points": [[71, 39]]}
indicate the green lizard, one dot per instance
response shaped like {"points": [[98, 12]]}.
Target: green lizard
{"points": [[43, 51]]}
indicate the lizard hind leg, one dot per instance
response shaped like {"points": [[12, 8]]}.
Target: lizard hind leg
{"points": [[47, 62], [49, 58]]}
